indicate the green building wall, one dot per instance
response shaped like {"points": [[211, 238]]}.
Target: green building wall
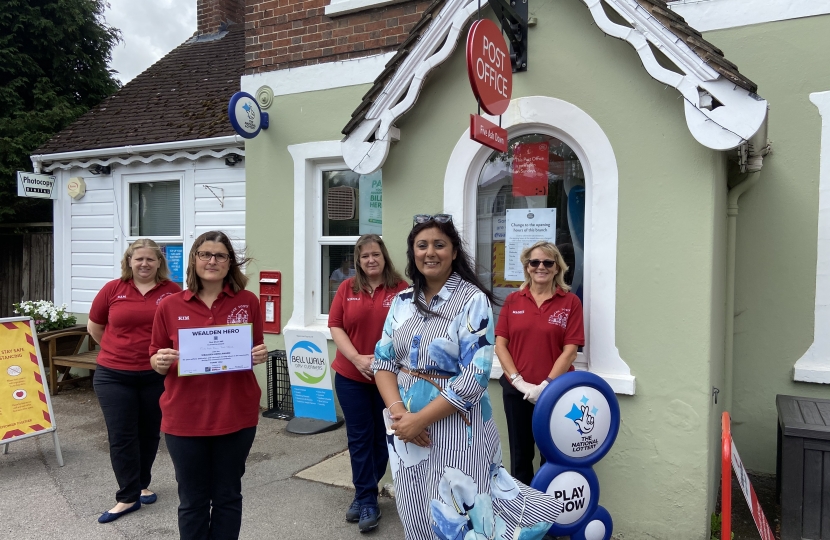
{"points": [[777, 227], [659, 479]]}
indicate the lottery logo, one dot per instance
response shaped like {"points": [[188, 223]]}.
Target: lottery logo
{"points": [[580, 421], [19, 394], [14, 371]]}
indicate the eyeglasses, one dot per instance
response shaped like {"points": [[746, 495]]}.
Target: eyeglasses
{"points": [[417, 219], [207, 255], [534, 263]]}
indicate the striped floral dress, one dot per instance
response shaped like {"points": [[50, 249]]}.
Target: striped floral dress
{"points": [[457, 489]]}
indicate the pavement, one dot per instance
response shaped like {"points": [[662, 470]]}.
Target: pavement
{"points": [[291, 488]]}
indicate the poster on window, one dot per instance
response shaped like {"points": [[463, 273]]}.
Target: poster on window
{"points": [[371, 203], [525, 227], [530, 169]]}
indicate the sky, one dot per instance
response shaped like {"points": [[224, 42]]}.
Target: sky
{"points": [[150, 29]]}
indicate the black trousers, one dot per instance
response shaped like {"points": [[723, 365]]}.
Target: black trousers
{"points": [[130, 403], [519, 414], [363, 410], [209, 472]]}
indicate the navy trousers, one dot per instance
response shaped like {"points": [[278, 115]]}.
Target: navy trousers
{"points": [[130, 403], [363, 411], [209, 473], [519, 415]]}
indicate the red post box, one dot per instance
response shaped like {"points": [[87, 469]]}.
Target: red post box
{"points": [[270, 290]]}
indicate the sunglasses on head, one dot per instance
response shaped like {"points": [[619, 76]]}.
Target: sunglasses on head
{"points": [[426, 218], [534, 263]]}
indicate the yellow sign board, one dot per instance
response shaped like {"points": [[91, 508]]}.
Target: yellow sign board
{"points": [[498, 268], [25, 406]]}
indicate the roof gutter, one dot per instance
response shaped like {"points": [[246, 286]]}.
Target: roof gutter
{"points": [[229, 140]]}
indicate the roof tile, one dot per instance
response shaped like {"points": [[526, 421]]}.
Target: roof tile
{"points": [[183, 96]]}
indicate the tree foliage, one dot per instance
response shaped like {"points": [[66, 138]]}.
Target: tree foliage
{"points": [[53, 68]]}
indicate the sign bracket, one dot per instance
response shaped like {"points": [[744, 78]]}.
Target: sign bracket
{"points": [[513, 17]]}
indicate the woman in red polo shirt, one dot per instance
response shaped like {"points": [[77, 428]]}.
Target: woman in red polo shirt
{"points": [[537, 335], [356, 321], [209, 421], [128, 390]]}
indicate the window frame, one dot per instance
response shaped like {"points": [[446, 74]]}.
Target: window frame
{"points": [[128, 180], [583, 134]]}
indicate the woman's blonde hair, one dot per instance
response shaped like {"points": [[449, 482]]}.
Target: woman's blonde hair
{"points": [[390, 276], [551, 251], [236, 278], [163, 273]]}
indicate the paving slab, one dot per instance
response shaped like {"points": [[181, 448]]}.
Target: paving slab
{"points": [[40, 500]]}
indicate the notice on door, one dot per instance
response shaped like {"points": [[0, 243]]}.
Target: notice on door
{"points": [[525, 227]]}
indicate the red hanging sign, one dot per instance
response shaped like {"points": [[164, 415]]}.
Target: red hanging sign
{"points": [[488, 133], [488, 66], [530, 169]]}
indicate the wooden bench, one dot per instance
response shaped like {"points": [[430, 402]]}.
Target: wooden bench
{"points": [[60, 364]]}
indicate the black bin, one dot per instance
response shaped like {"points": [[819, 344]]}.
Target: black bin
{"points": [[803, 467], [280, 403]]}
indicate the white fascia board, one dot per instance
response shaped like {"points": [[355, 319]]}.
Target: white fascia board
{"points": [[814, 366], [350, 6], [230, 140], [324, 76], [706, 15]]}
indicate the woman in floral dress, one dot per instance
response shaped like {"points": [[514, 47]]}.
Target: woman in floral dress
{"points": [[432, 366]]}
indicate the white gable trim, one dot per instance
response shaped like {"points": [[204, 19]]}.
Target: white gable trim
{"points": [[723, 128], [814, 366], [706, 15], [342, 7], [576, 128], [324, 76]]}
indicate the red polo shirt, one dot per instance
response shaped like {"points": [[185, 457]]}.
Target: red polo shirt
{"points": [[361, 316], [537, 335], [215, 404], [128, 317]]}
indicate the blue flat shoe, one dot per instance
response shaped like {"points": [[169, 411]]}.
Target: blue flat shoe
{"points": [[148, 499], [108, 517]]}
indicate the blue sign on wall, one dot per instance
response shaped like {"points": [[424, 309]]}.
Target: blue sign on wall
{"points": [[175, 262], [575, 423]]}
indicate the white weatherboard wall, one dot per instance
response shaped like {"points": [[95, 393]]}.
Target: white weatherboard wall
{"points": [[92, 233]]}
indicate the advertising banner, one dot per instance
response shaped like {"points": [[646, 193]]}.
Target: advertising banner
{"points": [[38, 186], [371, 203], [309, 372], [524, 228], [530, 169], [25, 408]]}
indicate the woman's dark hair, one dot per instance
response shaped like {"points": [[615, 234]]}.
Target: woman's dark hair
{"points": [[390, 276], [235, 277], [462, 264]]}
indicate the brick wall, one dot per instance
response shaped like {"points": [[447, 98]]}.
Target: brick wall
{"points": [[211, 13], [281, 34]]}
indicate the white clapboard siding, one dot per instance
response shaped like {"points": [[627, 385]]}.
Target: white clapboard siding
{"points": [[92, 247], [93, 209], [82, 270], [88, 284], [212, 204], [227, 182]]}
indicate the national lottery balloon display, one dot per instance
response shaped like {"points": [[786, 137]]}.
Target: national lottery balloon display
{"points": [[575, 423]]}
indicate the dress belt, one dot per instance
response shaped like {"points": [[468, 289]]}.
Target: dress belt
{"points": [[430, 378]]}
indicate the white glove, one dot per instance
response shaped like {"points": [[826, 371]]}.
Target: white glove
{"points": [[535, 391], [522, 386]]}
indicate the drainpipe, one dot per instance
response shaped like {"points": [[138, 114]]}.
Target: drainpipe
{"points": [[754, 163]]}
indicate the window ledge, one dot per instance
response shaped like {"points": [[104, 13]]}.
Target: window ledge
{"points": [[344, 7], [811, 372]]}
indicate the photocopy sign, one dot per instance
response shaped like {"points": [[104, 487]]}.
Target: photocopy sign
{"points": [[525, 227], [38, 186], [308, 370]]}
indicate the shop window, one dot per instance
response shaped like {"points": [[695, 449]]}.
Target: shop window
{"points": [[155, 209], [538, 172], [351, 207]]}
